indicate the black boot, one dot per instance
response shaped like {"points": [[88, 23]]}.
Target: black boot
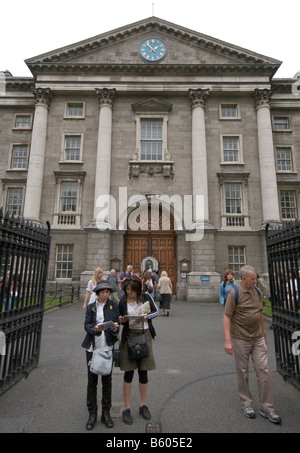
{"points": [[106, 419], [91, 421]]}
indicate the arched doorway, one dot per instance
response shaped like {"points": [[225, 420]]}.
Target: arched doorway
{"points": [[151, 243]]}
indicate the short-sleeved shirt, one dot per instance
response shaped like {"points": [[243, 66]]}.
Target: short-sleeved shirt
{"points": [[246, 315]]}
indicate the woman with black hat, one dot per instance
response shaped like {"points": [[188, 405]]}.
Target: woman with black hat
{"points": [[102, 310]]}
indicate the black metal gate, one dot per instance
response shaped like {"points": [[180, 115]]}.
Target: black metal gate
{"points": [[24, 256], [283, 251]]}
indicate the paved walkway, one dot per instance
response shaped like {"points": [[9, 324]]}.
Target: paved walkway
{"points": [[193, 389]]}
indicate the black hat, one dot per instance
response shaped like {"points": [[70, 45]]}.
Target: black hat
{"points": [[103, 284]]}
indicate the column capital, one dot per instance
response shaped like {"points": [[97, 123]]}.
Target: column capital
{"points": [[262, 97], [106, 96], [42, 96], [198, 97]]}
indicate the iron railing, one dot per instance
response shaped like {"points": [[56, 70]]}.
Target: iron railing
{"points": [[283, 252], [24, 257], [62, 294]]}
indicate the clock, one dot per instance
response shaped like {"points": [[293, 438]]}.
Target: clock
{"points": [[152, 50]]}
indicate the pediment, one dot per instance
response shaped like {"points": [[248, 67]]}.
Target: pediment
{"points": [[151, 105], [120, 47]]}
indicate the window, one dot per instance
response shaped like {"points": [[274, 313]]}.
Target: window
{"points": [[281, 123], [75, 110], [233, 198], [236, 258], [19, 157], [288, 205], [14, 200], [64, 261], [68, 200], [231, 149], [23, 121], [284, 159], [150, 155], [73, 148], [229, 111], [151, 139]]}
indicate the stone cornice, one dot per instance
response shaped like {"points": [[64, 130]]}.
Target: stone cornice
{"points": [[20, 84], [172, 69]]}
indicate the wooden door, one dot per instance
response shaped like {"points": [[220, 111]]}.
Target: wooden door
{"points": [[160, 245]]}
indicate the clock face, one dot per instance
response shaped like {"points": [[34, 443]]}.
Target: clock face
{"points": [[152, 50]]}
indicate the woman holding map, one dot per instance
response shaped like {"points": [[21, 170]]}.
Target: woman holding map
{"points": [[102, 326], [137, 310]]}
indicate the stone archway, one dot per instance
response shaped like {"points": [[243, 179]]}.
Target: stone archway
{"points": [[152, 240]]}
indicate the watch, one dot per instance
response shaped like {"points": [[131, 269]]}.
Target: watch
{"points": [[152, 50]]}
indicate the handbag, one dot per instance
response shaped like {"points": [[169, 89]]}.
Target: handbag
{"points": [[137, 347], [101, 362], [116, 357]]}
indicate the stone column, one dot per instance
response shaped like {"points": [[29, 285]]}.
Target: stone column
{"points": [[199, 158], [103, 165], [270, 206], [37, 155]]}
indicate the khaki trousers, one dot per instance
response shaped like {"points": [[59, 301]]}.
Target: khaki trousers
{"points": [[257, 349]]}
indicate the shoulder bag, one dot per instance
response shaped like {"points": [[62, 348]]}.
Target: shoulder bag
{"points": [[101, 362], [137, 347]]}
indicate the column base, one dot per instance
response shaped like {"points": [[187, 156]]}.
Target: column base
{"points": [[271, 223], [203, 287]]}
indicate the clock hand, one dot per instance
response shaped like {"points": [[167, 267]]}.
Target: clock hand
{"points": [[157, 47], [150, 46]]}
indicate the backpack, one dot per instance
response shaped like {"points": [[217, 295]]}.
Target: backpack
{"points": [[237, 294]]}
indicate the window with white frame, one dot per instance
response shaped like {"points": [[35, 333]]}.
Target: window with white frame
{"points": [[236, 258], [284, 161], [64, 261], [151, 139], [151, 145], [69, 193], [288, 205], [281, 123], [231, 149], [68, 198], [229, 111], [14, 201], [23, 121], [75, 110], [72, 151], [233, 198], [19, 157]]}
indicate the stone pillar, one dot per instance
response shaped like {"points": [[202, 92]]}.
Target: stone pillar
{"points": [[199, 158], [202, 282], [270, 206], [37, 155], [103, 165]]}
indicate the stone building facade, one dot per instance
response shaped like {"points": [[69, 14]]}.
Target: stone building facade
{"points": [[153, 145]]}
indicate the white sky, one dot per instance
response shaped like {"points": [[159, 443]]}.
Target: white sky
{"points": [[32, 27]]}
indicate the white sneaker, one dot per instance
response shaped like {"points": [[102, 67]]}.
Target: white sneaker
{"points": [[248, 411], [274, 418]]}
